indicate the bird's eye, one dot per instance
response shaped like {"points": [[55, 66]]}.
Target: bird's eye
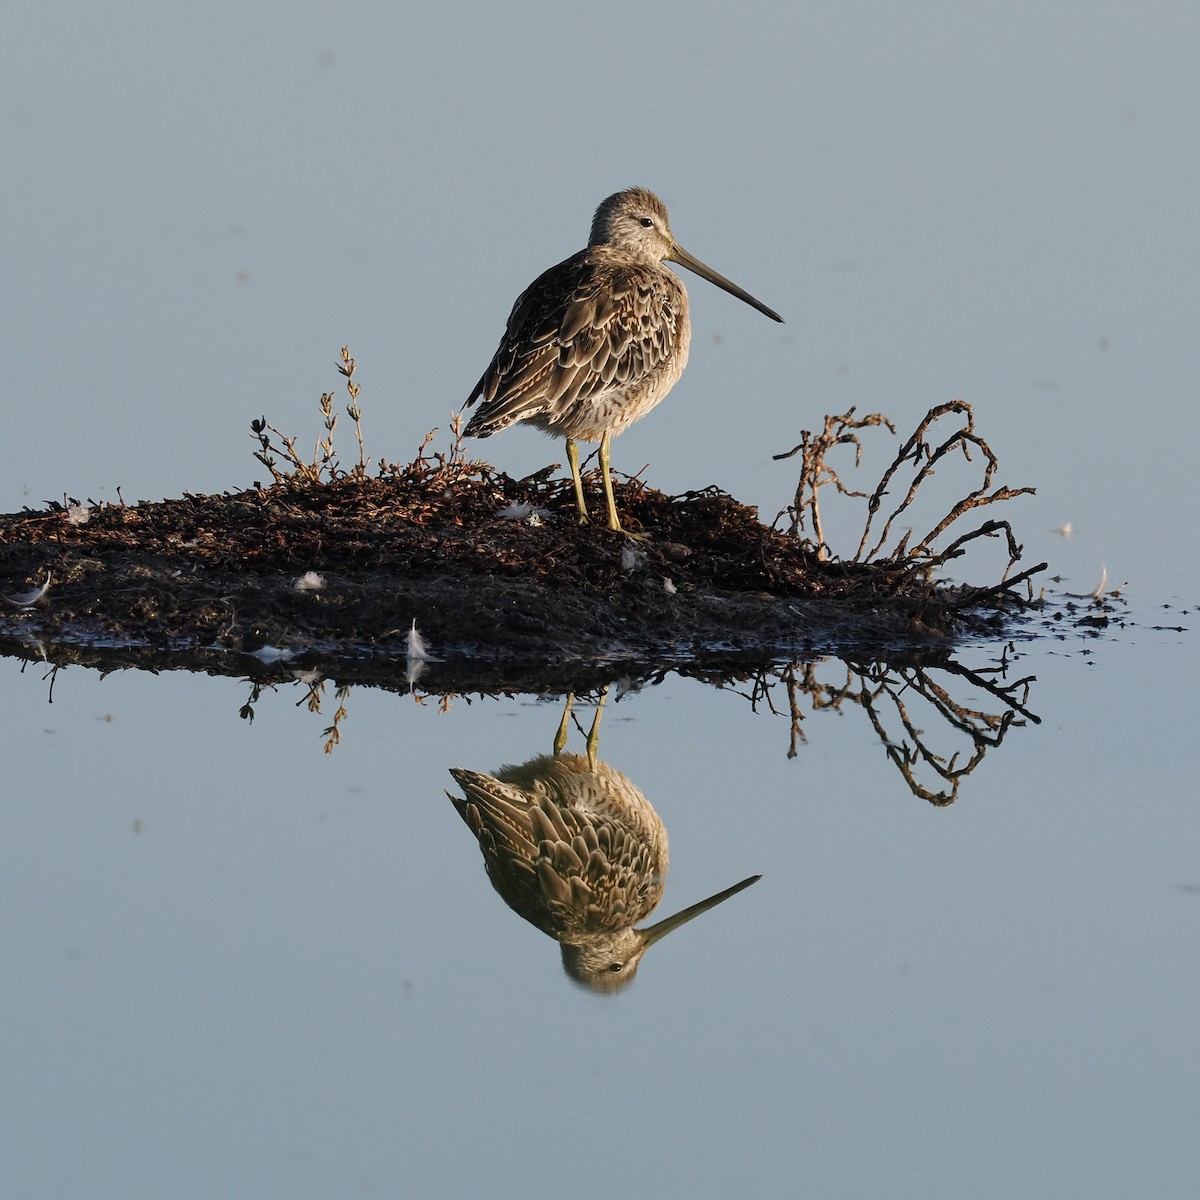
{"points": [[647, 222], [615, 966]]}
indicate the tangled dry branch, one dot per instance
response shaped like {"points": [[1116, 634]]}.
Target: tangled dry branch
{"points": [[922, 452]]}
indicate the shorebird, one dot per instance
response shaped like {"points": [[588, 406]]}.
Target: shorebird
{"points": [[575, 848], [594, 343]]}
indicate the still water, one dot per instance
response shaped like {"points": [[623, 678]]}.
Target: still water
{"points": [[239, 965]]}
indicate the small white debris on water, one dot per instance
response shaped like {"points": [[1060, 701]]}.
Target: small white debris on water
{"points": [[272, 654], [522, 512], [631, 559], [310, 581], [78, 514], [1098, 592], [29, 599]]}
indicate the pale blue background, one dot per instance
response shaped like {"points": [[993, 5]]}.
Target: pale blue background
{"points": [[992, 202], [295, 981]]}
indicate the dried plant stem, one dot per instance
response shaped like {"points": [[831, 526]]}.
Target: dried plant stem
{"points": [[324, 465], [815, 472], [347, 367]]}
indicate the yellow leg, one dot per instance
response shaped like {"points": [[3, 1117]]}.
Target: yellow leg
{"points": [[564, 726], [593, 740], [614, 522], [577, 479]]}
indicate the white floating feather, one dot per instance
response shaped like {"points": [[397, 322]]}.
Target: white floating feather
{"points": [[416, 650], [29, 599], [1097, 593], [310, 581]]}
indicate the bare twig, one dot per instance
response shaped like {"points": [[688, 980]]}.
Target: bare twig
{"points": [[815, 472], [925, 456], [910, 563]]}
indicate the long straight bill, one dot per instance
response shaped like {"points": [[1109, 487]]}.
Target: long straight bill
{"points": [[654, 933], [684, 259]]}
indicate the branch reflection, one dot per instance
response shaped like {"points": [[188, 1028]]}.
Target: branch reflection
{"points": [[908, 707]]}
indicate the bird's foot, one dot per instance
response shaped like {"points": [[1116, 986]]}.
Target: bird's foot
{"points": [[639, 539]]}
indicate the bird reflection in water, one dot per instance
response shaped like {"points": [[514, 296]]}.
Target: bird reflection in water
{"points": [[576, 849]]}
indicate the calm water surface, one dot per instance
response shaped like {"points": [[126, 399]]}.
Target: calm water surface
{"points": [[238, 965]]}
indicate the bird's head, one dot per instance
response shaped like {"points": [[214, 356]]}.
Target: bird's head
{"points": [[635, 221], [609, 962]]}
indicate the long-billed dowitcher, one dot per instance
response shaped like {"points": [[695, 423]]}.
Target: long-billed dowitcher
{"points": [[574, 847], [594, 343]]}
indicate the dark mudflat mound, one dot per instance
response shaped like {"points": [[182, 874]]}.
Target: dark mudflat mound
{"points": [[491, 569]]}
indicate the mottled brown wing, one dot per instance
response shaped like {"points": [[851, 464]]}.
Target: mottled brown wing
{"points": [[555, 866], [584, 326], [499, 820], [597, 874]]}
